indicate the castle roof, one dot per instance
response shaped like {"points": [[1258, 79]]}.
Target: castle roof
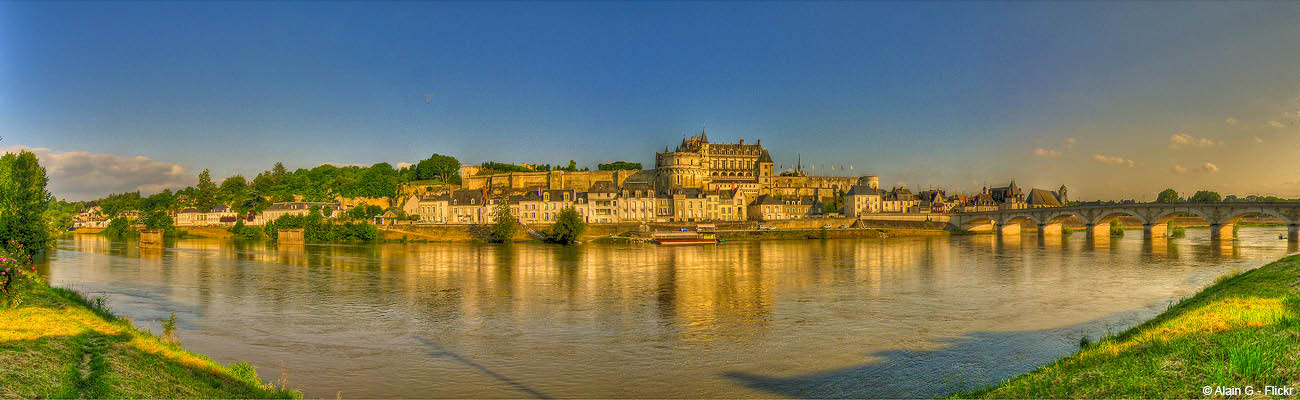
{"points": [[1040, 197]]}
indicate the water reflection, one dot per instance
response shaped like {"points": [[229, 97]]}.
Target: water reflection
{"points": [[837, 318]]}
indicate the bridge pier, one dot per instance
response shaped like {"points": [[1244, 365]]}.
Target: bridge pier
{"points": [[1006, 229], [1154, 230], [1095, 231], [1293, 233], [1221, 232]]}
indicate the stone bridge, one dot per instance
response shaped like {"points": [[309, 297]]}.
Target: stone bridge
{"points": [[1154, 216]]}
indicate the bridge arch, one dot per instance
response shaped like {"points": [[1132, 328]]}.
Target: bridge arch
{"points": [[979, 223], [1237, 215], [1169, 215], [1061, 217], [1106, 215], [1018, 218]]}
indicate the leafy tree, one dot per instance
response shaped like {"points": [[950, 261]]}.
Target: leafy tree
{"points": [[206, 196], [242, 231], [504, 224], [1205, 196], [366, 211], [120, 228], [278, 173], [1116, 228], [159, 219], [159, 201], [496, 167], [232, 189], [23, 201], [568, 226], [619, 165], [439, 167], [573, 166], [1168, 196]]}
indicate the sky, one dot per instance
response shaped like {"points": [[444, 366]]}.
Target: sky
{"points": [[1114, 100]]}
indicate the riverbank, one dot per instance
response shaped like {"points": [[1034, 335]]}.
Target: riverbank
{"points": [[59, 344], [1243, 331]]}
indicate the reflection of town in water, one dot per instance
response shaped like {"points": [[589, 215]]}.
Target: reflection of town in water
{"points": [[761, 318]]}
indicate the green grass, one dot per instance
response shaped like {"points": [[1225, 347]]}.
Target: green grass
{"points": [[1241, 331], [58, 344]]}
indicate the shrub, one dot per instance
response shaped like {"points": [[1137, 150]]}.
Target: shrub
{"points": [[120, 228], [242, 231], [169, 330], [568, 226], [1175, 232], [245, 372], [17, 275], [1116, 229], [504, 224]]}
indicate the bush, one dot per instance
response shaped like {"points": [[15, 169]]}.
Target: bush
{"points": [[316, 229], [120, 228], [1175, 232], [17, 275], [246, 232], [245, 372], [169, 330], [1116, 229], [568, 226], [504, 224]]}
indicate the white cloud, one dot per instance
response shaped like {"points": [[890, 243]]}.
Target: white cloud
{"points": [[1178, 169], [401, 165], [1275, 124], [341, 165], [1211, 168], [1069, 143], [1232, 121], [1045, 153], [1182, 139], [1258, 140], [1113, 160], [80, 175]]}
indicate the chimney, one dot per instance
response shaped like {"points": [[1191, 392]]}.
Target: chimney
{"points": [[758, 142], [742, 142]]}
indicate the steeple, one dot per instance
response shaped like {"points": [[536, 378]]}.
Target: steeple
{"points": [[703, 136]]}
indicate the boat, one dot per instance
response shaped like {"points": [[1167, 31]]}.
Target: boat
{"points": [[701, 235]]}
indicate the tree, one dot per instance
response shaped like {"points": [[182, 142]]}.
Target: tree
{"points": [[439, 167], [1168, 196], [232, 189], [119, 228], [159, 219], [23, 201], [573, 166], [568, 226], [1205, 196], [278, 173], [206, 195], [504, 224], [619, 165]]}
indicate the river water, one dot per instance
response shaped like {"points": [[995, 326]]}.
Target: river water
{"points": [[897, 317]]}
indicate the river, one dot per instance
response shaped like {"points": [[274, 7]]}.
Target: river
{"points": [[896, 317]]}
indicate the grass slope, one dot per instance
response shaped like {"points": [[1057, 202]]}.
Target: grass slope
{"points": [[58, 344], [1240, 332]]}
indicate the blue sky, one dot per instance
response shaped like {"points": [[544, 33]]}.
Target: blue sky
{"points": [[1113, 99]]}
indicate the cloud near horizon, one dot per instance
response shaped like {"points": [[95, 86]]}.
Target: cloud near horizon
{"points": [[1113, 160], [79, 175], [1181, 139], [1045, 153]]}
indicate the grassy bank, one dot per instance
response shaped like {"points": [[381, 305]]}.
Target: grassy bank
{"points": [[58, 344], [1242, 331]]}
